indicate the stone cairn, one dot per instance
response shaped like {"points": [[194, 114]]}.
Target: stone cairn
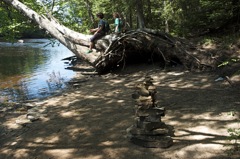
{"points": [[148, 131]]}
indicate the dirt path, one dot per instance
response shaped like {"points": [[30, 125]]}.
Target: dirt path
{"points": [[90, 121]]}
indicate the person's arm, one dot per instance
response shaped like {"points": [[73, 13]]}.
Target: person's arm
{"points": [[116, 29], [100, 26], [93, 30], [99, 29]]}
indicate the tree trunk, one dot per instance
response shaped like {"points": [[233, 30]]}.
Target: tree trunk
{"points": [[140, 16], [113, 50], [90, 14], [149, 13]]}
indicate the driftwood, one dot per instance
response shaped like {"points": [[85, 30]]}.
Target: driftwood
{"points": [[113, 50]]}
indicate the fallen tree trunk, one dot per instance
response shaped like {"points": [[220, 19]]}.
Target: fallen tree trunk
{"points": [[113, 50]]}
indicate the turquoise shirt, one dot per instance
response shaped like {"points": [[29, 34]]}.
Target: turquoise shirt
{"points": [[117, 23]]}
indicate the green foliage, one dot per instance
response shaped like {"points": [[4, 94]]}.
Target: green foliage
{"points": [[208, 41], [197, 16], [234, 136], [229, 62], [180, 17], [14, 25]]}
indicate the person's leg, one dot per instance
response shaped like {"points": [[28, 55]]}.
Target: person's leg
{"points": [[93, 39], [91, 45]]}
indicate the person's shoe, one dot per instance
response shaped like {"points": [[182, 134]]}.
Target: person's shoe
{"points": [[89, 51]]}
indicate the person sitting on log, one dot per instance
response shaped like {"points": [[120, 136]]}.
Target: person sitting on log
{"points": [[98, 32], [117, 22]]}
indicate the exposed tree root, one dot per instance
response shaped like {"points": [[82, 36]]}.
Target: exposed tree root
{"points": [[148, 43]]}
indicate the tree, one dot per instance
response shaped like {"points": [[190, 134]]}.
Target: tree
{"points": [[140, 16], [115, 50]]}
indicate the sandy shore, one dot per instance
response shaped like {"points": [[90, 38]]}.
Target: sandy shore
{"points": [[90, 120]]}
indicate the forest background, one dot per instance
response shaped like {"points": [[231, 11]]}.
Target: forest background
{"points": [[178, 17], [200, 21]]}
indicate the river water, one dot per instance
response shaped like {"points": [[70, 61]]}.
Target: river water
{"points": [[33, 69]]}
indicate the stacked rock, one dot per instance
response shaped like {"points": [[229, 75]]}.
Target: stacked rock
{"points": [[149, 130]]}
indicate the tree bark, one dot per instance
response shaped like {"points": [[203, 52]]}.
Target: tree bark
{"points": [[149, 13], [113, 50], [90, 14], [140, 16]]}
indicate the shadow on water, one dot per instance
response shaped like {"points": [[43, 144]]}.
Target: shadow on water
{"points": [[32, 69]]}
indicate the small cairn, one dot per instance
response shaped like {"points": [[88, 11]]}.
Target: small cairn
{"points": [[148, 131]]}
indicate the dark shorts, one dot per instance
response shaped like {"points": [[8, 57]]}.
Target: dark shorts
{"points": [[96, 36]]}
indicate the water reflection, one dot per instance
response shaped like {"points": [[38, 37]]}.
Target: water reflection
{"points": [[32, 69]]}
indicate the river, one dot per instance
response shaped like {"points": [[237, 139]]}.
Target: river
{"points": [[33, 69]]}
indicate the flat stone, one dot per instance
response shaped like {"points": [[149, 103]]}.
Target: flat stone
{"points": [[153, 118], [160, 131], [32, 117], [152, 111], [29, 105], [152, 88], [138, 131], [145, 105], [152, 141], [22, 120], [149, 125], [143, 99]]}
